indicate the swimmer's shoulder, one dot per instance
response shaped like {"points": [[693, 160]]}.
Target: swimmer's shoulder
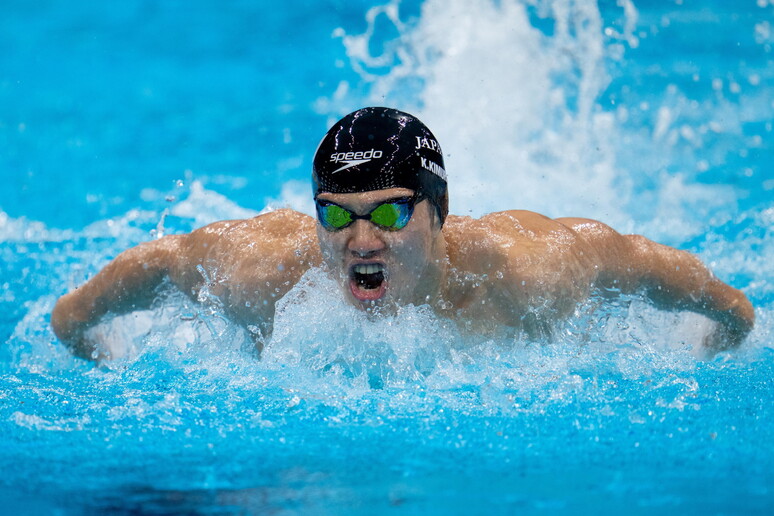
{"points": [[491, 259], [280, 224], [276, 224], [278, 232], [265, 256], [510, 224], [254, 251], [514, 242], [523, 254]]}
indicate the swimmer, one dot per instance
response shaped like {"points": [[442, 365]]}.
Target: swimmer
{"points": [[384, 233]]}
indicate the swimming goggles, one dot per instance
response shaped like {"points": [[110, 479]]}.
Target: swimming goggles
{"points": [[391, 215]]}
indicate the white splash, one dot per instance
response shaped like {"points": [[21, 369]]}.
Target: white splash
{"points": [[314, 328], [207, 206]]}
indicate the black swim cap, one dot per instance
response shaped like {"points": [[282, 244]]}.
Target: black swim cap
{"points": [[376, 148]]}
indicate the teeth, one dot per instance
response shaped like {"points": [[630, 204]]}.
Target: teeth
{"points": [[368, 268]]}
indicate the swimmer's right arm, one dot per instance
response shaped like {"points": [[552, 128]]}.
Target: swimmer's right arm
{"points": [[127, 283]]}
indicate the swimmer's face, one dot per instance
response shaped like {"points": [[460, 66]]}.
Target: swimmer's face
{"points": [[377, 267]]}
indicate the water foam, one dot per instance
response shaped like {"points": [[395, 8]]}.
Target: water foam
{"points": [[320, 342]]}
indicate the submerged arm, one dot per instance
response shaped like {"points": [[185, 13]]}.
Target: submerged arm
{"points": [[125, 284], [671, 278]]}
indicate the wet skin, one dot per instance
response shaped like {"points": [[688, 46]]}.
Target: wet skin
{"points": [[516, 268]]}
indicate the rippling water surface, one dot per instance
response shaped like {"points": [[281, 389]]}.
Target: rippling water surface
{"points": [[120, 123]]}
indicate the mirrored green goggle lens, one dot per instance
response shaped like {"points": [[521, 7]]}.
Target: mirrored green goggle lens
{"points": [[336, 216], [388, 215]]}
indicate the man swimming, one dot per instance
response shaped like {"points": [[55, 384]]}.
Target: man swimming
{"points": [[384, 233]]}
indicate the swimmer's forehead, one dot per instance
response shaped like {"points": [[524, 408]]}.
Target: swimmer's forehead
{"points": [[365, 199]]}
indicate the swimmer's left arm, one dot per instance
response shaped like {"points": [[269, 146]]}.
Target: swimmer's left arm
{"points": [[671, 278], [678, 279]]}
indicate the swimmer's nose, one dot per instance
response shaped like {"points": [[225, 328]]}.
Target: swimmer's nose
{"points": [[365, 239]]}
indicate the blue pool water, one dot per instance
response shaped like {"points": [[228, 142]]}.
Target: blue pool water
{"points": [[123, 120]]}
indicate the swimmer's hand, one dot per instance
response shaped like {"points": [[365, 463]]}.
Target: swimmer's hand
{"points": [[85, 339], [70, 321], [735, 319]]}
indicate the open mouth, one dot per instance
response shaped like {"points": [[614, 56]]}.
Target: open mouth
{"points": [[367, 281]]}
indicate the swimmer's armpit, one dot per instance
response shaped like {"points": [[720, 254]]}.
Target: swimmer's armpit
{"points": [[124, 285]]}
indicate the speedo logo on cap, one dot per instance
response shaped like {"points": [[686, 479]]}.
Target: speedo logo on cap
{"points": [[351, 159]]}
